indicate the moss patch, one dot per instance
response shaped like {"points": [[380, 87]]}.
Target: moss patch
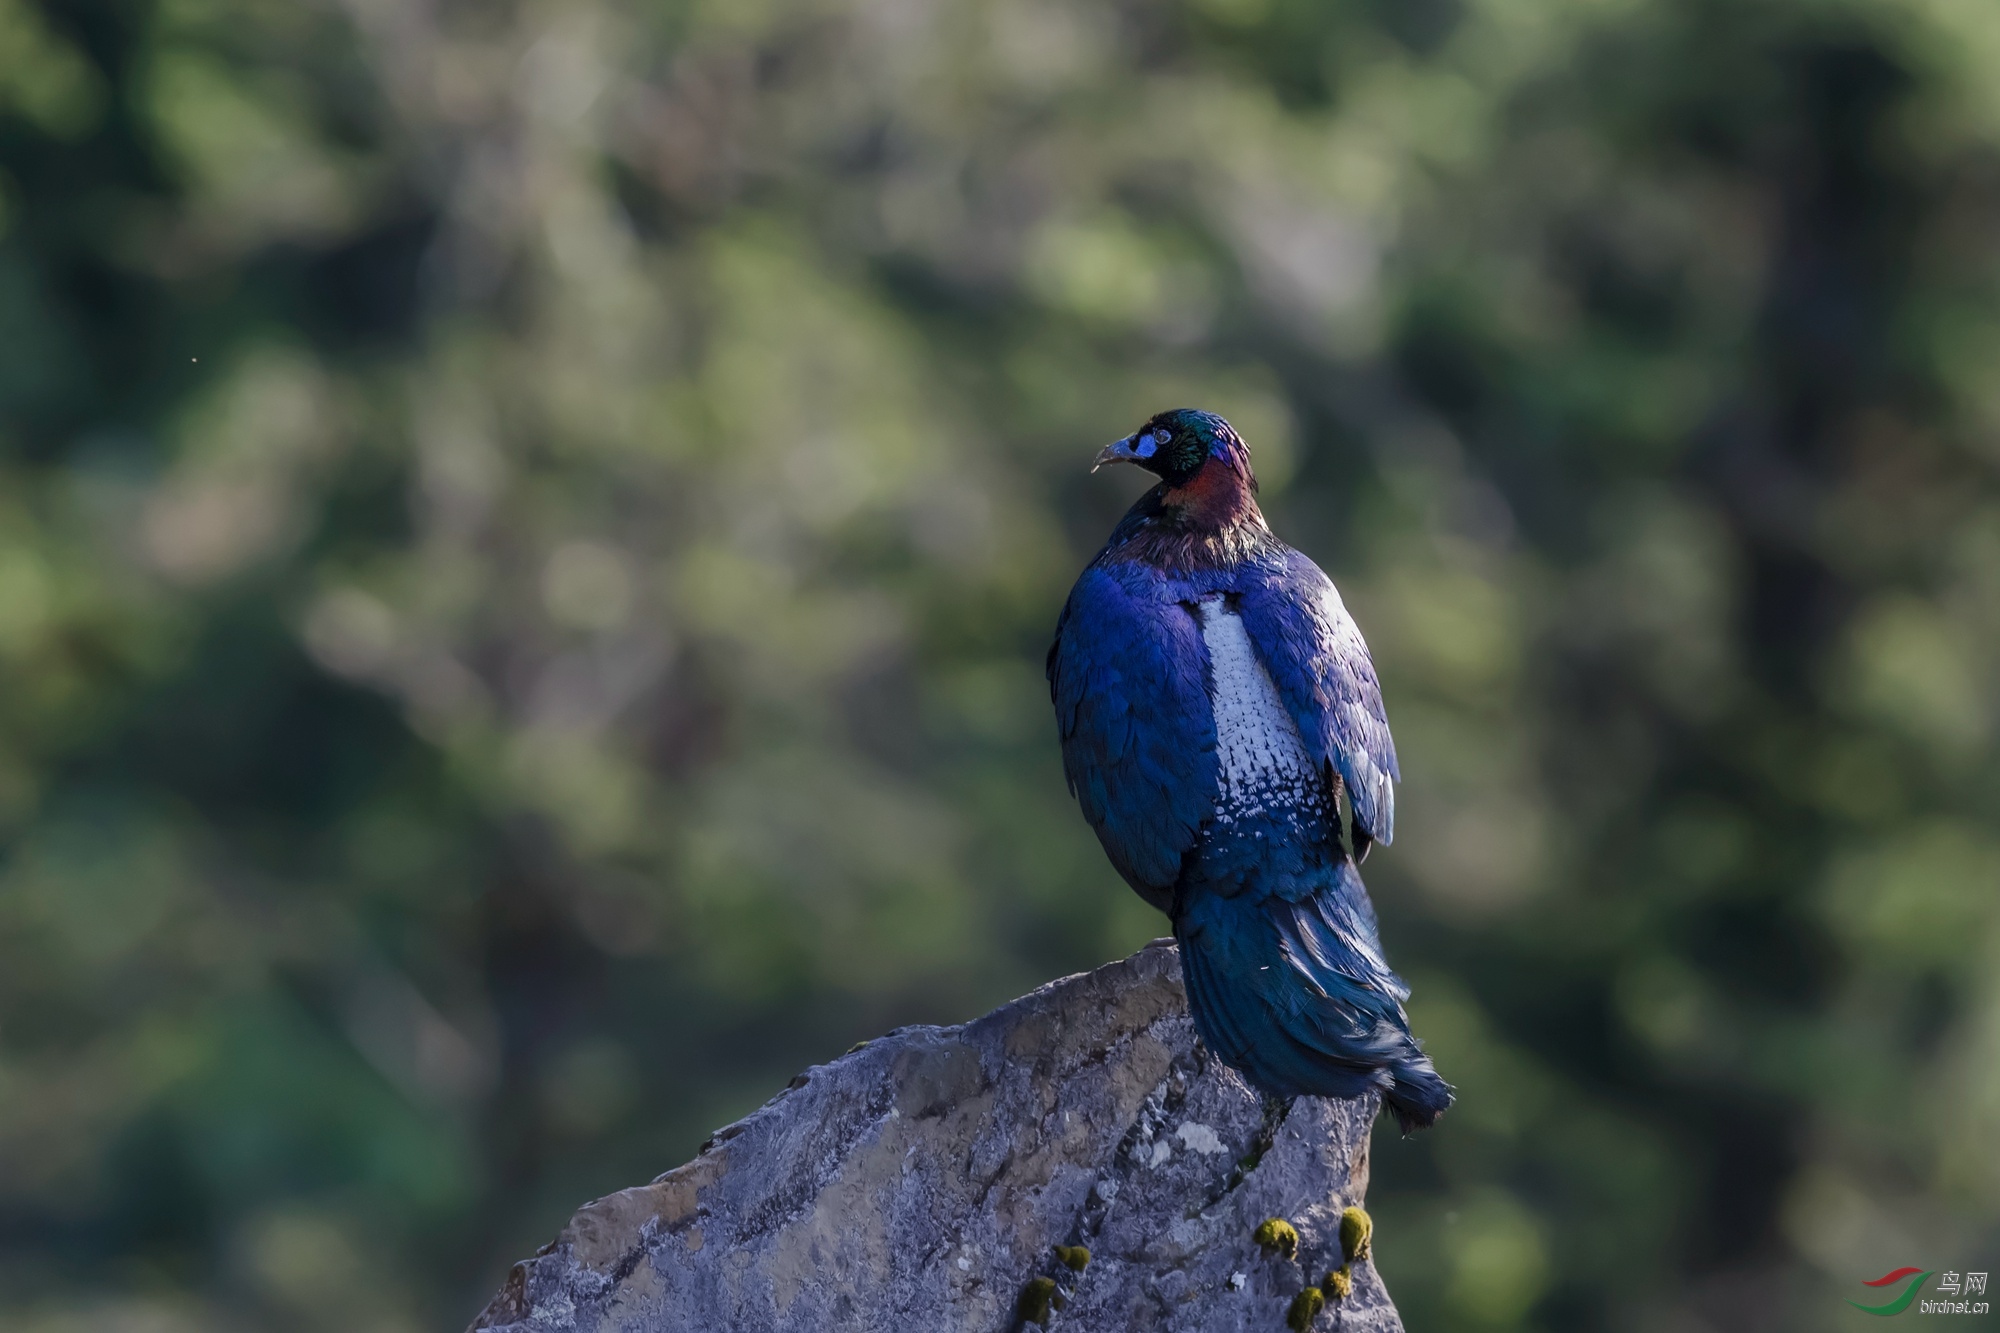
{"points": [[1357, 1230], [1275, 1233], [1037, 1299]]}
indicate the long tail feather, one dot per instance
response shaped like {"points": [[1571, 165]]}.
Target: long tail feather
{"points": [[1294, 992]]}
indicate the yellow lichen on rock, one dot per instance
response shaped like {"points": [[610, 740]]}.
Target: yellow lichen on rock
{"points": [[1357, 1229], [1037, 1298], [1275, 1233]]}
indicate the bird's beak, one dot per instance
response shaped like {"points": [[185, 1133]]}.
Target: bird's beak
{"points": [[1118, 451]]}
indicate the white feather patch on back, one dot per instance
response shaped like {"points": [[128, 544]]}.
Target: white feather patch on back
{"points": [[1262, 762]]}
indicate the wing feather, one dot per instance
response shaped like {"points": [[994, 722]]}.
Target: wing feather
{"points": [[1320, 664], [1128, 675]]}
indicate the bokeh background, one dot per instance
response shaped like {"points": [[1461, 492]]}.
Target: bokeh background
{"points": [[528, 533]]}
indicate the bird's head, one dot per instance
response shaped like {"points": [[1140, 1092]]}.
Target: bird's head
{"points": [[1180, 445]]}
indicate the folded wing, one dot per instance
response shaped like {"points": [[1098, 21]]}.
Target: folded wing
{"points": [[1138, 734], [1317, 658]]}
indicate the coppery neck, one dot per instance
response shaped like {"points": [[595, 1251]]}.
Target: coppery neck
{"points": [[1212, 522], [1217, 497]]}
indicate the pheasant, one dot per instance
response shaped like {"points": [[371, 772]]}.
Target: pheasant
{"points": [[1222, 728]]}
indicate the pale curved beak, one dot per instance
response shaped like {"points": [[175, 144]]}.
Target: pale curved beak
{"points": [[1118, 451]]}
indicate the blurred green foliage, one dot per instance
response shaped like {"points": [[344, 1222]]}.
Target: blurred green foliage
{"points": [[528, 531]]}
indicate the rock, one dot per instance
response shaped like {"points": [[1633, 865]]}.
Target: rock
{"points": [[925, 1181]]}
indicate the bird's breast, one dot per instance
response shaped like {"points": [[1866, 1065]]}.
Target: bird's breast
{"points": [[1267, 785]]}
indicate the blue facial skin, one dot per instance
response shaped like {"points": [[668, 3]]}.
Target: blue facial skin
{"points": [[1138, 447]]}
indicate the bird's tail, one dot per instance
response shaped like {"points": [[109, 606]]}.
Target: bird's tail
{"points": [[1296, 994]]}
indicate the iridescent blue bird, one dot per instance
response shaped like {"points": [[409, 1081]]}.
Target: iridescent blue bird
{"points": [[1222, 728]]}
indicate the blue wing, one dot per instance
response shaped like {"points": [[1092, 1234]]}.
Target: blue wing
{"points": [[1317, 658], [1127, 672]]}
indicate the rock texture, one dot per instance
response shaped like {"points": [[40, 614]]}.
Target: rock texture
{"points": [[924, 1181]]}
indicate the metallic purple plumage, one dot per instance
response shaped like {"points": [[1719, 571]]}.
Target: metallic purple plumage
{"points": [[1256, 868]]}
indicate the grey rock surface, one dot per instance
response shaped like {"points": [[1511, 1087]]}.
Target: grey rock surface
{"points": [[923, 1182]]}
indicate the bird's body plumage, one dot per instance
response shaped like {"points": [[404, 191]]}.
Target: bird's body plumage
{"points": [[1215, 701]]}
